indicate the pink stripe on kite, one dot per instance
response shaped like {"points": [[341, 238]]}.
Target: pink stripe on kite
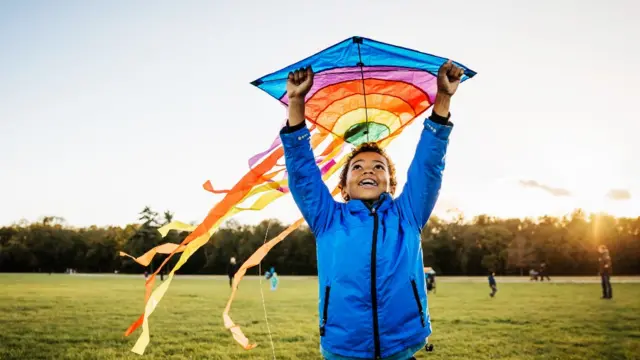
{"points": [[327, 166], [421, 79]]}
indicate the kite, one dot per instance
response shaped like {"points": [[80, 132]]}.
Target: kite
{"points": [[364, 91]]}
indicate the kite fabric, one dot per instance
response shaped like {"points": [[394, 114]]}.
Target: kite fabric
{"points": [[363, 91]]}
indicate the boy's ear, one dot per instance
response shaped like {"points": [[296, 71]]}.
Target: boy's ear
{"points": [[392, 188], [345, 195]]}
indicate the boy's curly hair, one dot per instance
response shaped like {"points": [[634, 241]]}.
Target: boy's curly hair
{"points": [[362, 148]]}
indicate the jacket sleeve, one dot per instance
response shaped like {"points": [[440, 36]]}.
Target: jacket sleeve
{"points": [[424, 178], [309, 192]]}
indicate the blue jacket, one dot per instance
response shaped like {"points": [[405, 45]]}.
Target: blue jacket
{"points": [[373, 299], [492, 280]]}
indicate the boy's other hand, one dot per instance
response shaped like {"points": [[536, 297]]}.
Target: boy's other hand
{"points": [[299, 83], [449, 76]]}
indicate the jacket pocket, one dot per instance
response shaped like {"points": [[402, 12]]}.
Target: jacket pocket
{"points": [[418, 303], [325, 310]]}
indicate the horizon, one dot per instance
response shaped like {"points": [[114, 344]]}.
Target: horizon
{"points": [[108, 108], [451, 216]]}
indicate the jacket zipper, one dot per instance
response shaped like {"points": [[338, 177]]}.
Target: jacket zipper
{"points": [[374, 297], [325, 309], [417, 297]]}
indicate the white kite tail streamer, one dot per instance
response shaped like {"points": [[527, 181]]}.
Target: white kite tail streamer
{"points": [[264, 304]]}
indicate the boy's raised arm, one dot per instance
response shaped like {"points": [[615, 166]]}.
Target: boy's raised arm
{"points": [[298, 85], [424, 177], [305, 180]]}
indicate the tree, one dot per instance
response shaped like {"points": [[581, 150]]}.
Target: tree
{"points": [[457, 247]]}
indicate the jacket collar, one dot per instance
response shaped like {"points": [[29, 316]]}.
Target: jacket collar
{"points": [[381, 204]]}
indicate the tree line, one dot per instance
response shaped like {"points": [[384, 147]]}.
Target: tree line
{"points": [[459, 247]]}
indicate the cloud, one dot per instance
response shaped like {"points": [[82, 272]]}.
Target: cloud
{"points": [[619, 194], [551, 190]]}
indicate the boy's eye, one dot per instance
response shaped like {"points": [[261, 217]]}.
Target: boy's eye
{"points": [[356, 167], [379, 167]]}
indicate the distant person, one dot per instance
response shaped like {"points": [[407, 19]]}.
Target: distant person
{"points": [[492, 284], [430, 279], [604, 261], [543, 271], [231, 270], [272, 275]]}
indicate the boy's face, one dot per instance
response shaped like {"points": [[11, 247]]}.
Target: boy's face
{"points": [[367, 177]]}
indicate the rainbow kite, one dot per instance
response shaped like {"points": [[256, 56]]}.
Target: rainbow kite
{"points": [[363, 91]]}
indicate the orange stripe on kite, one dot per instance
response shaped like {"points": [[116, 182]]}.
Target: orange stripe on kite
{"points": [[330, 116], [317, 104]]}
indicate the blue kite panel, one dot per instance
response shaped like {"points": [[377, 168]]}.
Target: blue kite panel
{"points": [[356, 51]]}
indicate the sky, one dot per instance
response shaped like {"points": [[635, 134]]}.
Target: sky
{"points": [[110, 106]]}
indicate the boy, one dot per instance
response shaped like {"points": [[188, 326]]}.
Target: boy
{"points": [[373, 302]]}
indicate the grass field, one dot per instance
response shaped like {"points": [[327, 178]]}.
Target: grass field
{"points": [[84, 317]]}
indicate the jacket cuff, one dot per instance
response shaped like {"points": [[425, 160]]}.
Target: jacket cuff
{"points": [[440, 119], [295, 136], [440, 131], [289, 129]]}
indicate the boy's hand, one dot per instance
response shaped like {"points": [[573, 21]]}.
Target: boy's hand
{"points": [[299, 83], [449, 76]]}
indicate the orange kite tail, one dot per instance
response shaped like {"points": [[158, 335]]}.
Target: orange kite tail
{"points": [[166, 248], [253, 260]]}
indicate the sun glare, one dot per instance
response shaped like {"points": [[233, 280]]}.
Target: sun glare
{"points": [[508, 198]]}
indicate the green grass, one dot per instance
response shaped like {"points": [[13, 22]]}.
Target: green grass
{"points": [[84, 317]]}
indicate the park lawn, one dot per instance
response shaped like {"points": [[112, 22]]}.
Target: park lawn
{"points": [[84, 317]]}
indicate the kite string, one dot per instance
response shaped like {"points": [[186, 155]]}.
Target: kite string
{"points": [[264, 304], [364, 93]]}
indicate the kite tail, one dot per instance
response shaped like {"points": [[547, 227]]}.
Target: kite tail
{"points": [[199, 237], [166, 248], [202, 233], [252, 261], [257, 180]]}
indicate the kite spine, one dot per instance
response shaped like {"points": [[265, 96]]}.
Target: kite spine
{"points": [[358, 41]]}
